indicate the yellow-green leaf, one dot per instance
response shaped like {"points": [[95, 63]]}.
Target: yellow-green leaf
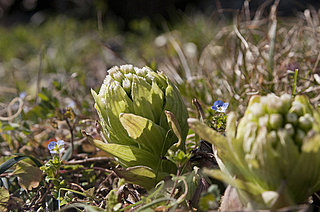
{"points": [[127, 155], [141, 96], [174, 125], [148, 134], [140, 175]]}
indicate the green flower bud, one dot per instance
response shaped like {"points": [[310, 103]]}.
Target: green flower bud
{"points": [[297, 108], [263, 121], [289, 128], [129, 76], [292, 118], [286, 102], [272, 103], [276, 121], [126, 69], [116, 74], [126, 84], [256, 109], [140, 71], [272, 137], [305, 122]]}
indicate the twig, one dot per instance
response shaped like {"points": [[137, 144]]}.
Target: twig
{"points": [[6, 174], [45, 194], [175, 182], [85, 168], [78, 186], [182, 58], [272, 36], [88, 160], [34, 199], [316, 63], [199, 108], [9, 109], [71, 133], [245, 43]]}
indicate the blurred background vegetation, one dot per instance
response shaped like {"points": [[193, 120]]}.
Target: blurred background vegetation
{"points": [[53, 52]]}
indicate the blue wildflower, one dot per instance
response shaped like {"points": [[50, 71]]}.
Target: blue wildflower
{"points": [[56, 147], [220, 106]]}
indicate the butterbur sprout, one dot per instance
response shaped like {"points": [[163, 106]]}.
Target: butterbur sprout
{"points": [[142, 116], [272, 156], [56, 147], [220, 106]]}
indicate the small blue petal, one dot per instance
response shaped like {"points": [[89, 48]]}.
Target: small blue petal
{"points": [[60, 143], [225, 105], [218, 103], [52, 145]]}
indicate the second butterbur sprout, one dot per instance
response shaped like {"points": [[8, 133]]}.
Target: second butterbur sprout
{"points": [[273, 155]]}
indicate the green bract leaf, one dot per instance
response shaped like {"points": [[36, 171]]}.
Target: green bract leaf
{"points": [[142, 98], [157, 99], [117, 102], [148, 134], [140, 175], [174, 125], [174, 104], [128, 155]]}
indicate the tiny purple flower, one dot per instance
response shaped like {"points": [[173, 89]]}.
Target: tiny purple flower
{"points": [[56, 147], [220, 106]]}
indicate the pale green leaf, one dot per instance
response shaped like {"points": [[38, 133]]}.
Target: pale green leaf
{"points": [[142, 98], [140, 175], [117, 101], [301, 186], [174, 125], [311, 144], [128, 155], [157, 99], [174, 104], [306, 106], [231, 125], [237, 183], [148, 134]]}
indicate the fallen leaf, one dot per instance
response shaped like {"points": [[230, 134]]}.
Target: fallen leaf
{"points": [[29, 176]]}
